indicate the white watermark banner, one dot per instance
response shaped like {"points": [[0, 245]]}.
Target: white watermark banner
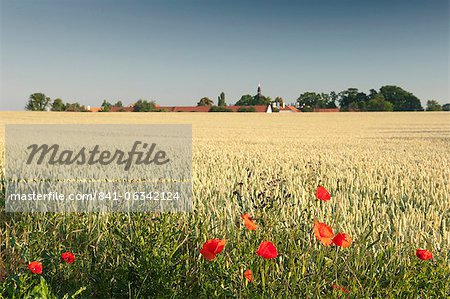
{"points": [[91, 168]]}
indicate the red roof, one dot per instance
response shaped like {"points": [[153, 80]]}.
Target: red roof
{"points": [[121, 109], [95, 109], [290, 109]]}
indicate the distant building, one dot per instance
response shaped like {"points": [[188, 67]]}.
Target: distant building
{"points": [[93, 109], [122, 109], [288, 109], [256, 108]]}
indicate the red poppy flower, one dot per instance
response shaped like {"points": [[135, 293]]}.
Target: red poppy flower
{"points": [[211, 248], [337, 287], [424, 254], [322, 193], [267, 250], [68, 257], [342, 240], [35, 267], [249, 223], [248, 274], [323, 232]]}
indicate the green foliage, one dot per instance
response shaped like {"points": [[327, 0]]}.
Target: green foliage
{"points": [[245, 100], [352, 100], [118, 104], [389, 98], [38, 102], [219, 109], [221, 102], [28, 286], [75, 107], [279, 100], [334, 97], [388, 106], [446, 107], [41, 291], [433, 105], [144, 106], [401, 99], [58, 105], [205, 102], [310, 100], [261, 100], [248, 100], [379, 105], [246, 109], [106, 106], [148, 255]]}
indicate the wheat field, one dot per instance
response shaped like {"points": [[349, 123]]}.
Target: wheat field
{"points": [[388, 175]]}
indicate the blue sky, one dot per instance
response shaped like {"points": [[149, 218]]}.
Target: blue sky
{"points": [[176, 52]]}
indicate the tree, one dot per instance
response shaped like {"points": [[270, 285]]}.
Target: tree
{"points": [[361, 100], [221, 100], [279, 100], [353, 106], [58, 105], [347, 97], [106, 106], [205, 102], [373, 93], [433, 105], [118, 104], [388, 106], [245, 100], [333, 99], [309, 100], [353, 100], [327, 100], [261, 100], [74, 107], [144, 106], [248, 100], [446, 107], [401, 99], [376, 102], [38, 102]]}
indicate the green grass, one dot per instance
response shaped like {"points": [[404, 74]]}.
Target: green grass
{"points": [[157, 255]]}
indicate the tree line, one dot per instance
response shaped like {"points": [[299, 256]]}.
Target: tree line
{"points": [[40, 102], [139, 106], [387, 98]]}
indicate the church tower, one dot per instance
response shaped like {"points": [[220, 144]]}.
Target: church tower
{"points": [[259, 90]]}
